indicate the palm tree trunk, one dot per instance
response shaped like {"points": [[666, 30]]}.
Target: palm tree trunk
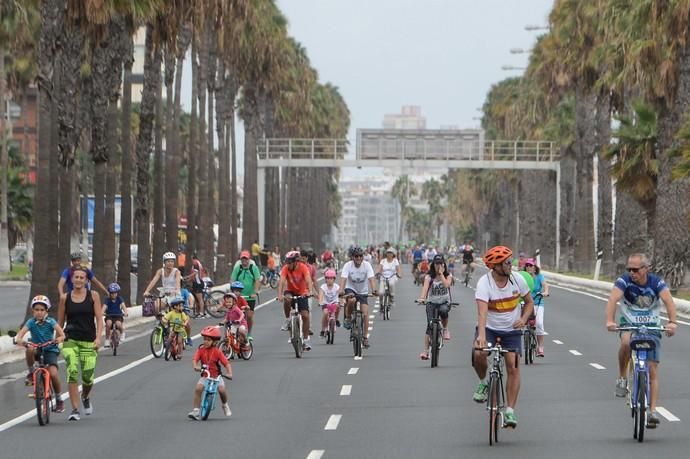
{"points": [[568, 197], [604, 198], [631, 234], [223, 175], [158, 182], [233, 184], [210, 198], [109, 274], [4, 170], [203, 156], [152, 81], [250, 223], [584, 224], [171, 165], [193, 164]]}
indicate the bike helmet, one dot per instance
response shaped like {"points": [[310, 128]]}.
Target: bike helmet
{"points": [[41, 299], [293, 255], [496, 255], [229, 293], [114, 288], [176, 300], [169, 256], [356, 252], [236, 285], [330, 273], [75, 256], [210, 332], [390, 250]]}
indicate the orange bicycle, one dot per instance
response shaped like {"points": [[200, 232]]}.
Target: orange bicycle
{"points": [[231, 345]]}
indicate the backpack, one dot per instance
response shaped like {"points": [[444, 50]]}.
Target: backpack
{"points": [[251, 271]]}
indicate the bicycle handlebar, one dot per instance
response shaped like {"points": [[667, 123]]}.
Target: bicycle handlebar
{"points": [[204, 369], [352, 295], [29, 344], [496, 348], [425, 302], [639, 327]]}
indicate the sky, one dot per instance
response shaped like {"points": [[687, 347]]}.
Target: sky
{"points": [[442, 55]]}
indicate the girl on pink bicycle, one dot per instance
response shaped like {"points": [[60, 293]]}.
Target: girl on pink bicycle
{"points": [[328, 299]]}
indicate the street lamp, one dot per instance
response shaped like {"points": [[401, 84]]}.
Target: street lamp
{"points": [[533, 27], [512, 67]]}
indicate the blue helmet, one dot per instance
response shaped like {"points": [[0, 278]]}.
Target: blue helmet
{"points": [[237, 285], [114, 288], [176, 300]]}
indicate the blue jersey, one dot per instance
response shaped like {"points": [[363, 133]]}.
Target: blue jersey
{"points": [[538, 286], [113, 306], [417, 255], [640, 304], [43, 332]]}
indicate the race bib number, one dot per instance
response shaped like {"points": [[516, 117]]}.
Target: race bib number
{"points": [[643, 319]]}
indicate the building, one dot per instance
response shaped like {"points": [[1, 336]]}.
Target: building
{"points": [[24, 116], [137, 76], [410, 117]]}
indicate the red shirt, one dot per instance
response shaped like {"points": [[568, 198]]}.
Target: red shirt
{"points": [[242, 302], [296, 278], [210, 357]]}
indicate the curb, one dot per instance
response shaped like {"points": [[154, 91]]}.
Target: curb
{"points": [[15, 283]]}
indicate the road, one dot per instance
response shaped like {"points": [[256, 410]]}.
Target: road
{"points": [[392, 404], [13, 302]]}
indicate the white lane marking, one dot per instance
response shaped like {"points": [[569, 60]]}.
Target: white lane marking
{"points": [[580, 292], [597, 366], [574, 352], [316, 454], [372, 316], [557, 341], [371, 328], [353, 371], [333, 422], [667, 414], [346, 389], [679, 321]]}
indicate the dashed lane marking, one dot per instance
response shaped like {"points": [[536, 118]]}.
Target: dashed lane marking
{"points": [[371, 328], [667, 414], [353, 371], [557, 341], [372, 316], [597, 366], [346, 389], [316, 454], [574, 352], [333, 422]]}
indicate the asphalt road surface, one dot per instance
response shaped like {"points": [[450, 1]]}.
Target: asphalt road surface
{"points": [[390, 404]]}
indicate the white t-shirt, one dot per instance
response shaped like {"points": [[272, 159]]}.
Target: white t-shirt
{"points": [[388, 270], [357, 276], [504, 303], [330, 295], [367, 257]]}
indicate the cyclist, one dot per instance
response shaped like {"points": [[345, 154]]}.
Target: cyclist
{"points": [[309, 258], [197, 288], [388, 268], [327, 259], [43, 329], [248, 273], [639, 292], [169, 276], [328, 299], [256, 252], [178, 320], [65, 283], [296, 280], [498, 305], [417, 256], [82, 310], [236, 315], [353, 279], [436, 290], [210, 356], [467, 258], [114, 309], [236, 287], [540, 286]]}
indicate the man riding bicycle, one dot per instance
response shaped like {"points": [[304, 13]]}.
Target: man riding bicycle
{"points": [[295, 279], [467, 258], [249, 275], [353, 279], [640, 292]]}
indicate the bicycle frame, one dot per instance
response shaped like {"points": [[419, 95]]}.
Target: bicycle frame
{"points": [[208, 396], [295, 330], [495, 406], [436, 325]]}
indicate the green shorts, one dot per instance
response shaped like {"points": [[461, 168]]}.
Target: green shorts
{"points": [[80, 355]]}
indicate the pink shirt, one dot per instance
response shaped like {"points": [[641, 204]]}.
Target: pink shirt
{"points": [[235, 314]]}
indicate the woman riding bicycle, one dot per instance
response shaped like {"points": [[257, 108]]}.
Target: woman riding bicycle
{"points": [[541, 287], [436, 292], [169, 276], [388, 268]]}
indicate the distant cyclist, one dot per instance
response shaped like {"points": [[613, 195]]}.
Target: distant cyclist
{"points": [[358, 277], [295, 280], [115, 310], [248, 273], [467, 252], [65, 282]]}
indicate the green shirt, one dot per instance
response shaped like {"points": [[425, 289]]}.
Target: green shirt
{"points": [[248, 276]]}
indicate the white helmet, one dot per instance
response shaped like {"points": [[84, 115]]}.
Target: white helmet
{"points": [[169, 256]]}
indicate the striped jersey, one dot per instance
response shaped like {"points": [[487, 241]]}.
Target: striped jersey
{"points": [[504, 303]]}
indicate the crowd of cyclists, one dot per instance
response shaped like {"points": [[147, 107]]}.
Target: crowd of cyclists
{"points": [[504, 297]]}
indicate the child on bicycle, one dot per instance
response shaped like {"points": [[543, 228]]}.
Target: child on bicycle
{"points": [[43, 329], [328, 299], [235, 315], [178, 319], [114, 308], [212, 358], [236, 287]]}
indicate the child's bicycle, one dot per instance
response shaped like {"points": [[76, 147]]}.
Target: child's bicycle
{"points": [[174, 345], [43, 393], [231, 346], [330, 330], [208, 396], [114, 337], [158, 338]]}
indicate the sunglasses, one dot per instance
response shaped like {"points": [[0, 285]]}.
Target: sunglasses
{"points": [[634, 270], [358, 256], [529, 266], [508, 262]]}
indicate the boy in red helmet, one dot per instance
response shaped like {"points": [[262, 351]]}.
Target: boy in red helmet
{"points": [[210, 356]]}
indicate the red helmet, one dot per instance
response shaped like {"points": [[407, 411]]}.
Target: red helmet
{"points": [[497, 255], [211, 332]]}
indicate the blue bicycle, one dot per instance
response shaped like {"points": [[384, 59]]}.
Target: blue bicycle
{"points": [[208, 396], [641, 342]]}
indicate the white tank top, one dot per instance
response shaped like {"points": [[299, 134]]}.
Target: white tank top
{"points": [[330, 295], [169, 282]]}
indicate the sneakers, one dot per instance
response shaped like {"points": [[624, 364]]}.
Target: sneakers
{"points": [[480, 393], [322, 334], [510, 419], [652, 420], [29, 380], [307, 344], [107, 343], [59, 405], [337, 323], [446, 334], [346, 324], [540, 351], [365, 343], [621, 387], [286, 325], [311, 332], [226, 410], [424, 355], [74, 416], [194, 414], [88, 407], [188, 342]]}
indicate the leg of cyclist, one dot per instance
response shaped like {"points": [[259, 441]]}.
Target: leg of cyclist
{"points": [[539, 314], [443, 313], [108, 331], [250, 317], [427, 333], [286, 311], [194, 414], [30, 359], [652, 416], [324, 320], [305, 327], [198, 304], [512, 387], [349, 305], [365, 323], [623, 359]]}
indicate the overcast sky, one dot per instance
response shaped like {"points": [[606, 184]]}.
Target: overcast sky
{"points": [[442, 55]]}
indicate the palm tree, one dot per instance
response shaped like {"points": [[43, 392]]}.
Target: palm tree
{"points": [[403, 190]]}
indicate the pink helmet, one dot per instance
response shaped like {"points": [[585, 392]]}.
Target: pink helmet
{"points": [[329, 273]]}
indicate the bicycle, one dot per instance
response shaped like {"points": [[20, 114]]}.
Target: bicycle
{"points": [[330, 330], [270, 278], [208, 396], [468, 274], [231, 345], [495, 401], [436, 330], [295, 325], [158, 337], [356, 324], [114, 336], [386, 298], [641, 342], [43, 393], [213, 300], [529, 335], [174, 345]]}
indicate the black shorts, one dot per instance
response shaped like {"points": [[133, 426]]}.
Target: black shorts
{"points": [[361, 298], [252, 303], [302, 303], [197, 288], [467, 261], [115, 318]]}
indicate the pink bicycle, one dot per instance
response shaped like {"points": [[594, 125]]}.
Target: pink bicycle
{"points": [[332, 314]]}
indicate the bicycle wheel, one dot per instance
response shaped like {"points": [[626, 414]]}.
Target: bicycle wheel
{"points": [[533, 346], [630, 397], [213, 303], [274, 282], [168, 347], [156, 342], [467, 279], [641, 404], [114, 340], [42, 380], [526, 344], [331, 332], [206, 405], [493, 407], [435, 335], [296, 337], [226, 348], [248, 351], [359, 333]]}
